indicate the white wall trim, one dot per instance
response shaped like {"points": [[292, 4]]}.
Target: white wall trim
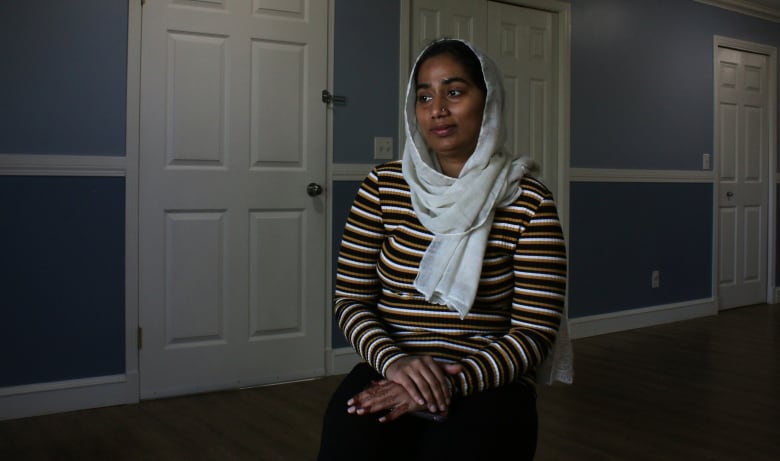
{"points": [[747, 7], [328, 295], [616, 175], [132, 153], [61, 396], [350, 171], [612, 322], [341, 360], [60, 385], [62, 165]]}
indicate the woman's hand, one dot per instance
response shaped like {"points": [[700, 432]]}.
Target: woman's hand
{"points": [[424, 380], [380, 396], [394, 396]]}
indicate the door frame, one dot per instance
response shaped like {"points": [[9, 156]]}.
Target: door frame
{"points": [[132, 384], [132, 250], [563, 14], [773, 179]]}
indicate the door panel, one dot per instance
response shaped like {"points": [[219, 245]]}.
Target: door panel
{"points": [[232, 249], [743, 177], [521, 41], [432, 19]]}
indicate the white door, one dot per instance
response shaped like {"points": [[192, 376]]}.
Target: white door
{"points": [[232, 248], [743, 175], [523, 42], [432, 19]]}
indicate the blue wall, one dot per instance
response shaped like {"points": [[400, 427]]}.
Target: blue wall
{"points": [[641, 99], [63, 77], [621, 232], [642, 81], [366, 37], [365, 63], [343, 194], [62, 241], [63, 278]]}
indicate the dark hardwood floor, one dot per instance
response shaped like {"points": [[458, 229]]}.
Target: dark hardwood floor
{"points": [[702, 389]]}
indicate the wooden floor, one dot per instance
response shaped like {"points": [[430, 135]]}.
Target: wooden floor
{"points": [[702, 389]]}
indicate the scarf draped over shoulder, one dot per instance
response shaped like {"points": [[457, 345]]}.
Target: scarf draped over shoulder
{"points": [[459, 211]]}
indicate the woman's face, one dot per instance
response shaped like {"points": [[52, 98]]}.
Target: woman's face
{"points": [[449, 108]]}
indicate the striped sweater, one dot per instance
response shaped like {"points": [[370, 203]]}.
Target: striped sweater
{"points": [[515, 317]]}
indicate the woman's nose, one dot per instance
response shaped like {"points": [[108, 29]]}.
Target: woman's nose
{"points": [[439, 107]]}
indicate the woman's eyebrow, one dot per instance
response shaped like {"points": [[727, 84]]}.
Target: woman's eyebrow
{"points": [[446, 81]]}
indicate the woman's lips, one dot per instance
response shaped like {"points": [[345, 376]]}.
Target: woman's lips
{"points": [[443, 130]]}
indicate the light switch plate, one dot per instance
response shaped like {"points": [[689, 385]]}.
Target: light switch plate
{"points": [[383, 148]]}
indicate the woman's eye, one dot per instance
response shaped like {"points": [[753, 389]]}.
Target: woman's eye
{"points": [[454, 93], [423, 98]]}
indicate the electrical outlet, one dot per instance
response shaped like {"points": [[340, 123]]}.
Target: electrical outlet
{"points": [[383, 148], [655, 279]]}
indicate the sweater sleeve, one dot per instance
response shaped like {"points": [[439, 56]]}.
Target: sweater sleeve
{"points": [[539, 274], [357, 283]]}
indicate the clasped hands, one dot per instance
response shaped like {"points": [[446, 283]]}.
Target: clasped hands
{"points": [[414, 383]]}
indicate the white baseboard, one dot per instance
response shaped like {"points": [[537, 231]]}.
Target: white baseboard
{"points": [[593, 325], [341, 360], [79, 394], [62, 396]]}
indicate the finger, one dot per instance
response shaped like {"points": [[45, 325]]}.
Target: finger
{"points": [[376, 398], [441, 387], [431, 391], [401, 372], [395, 413], [406, 381], [424, 380], [368, 392], [360, 395], [437, 386]]}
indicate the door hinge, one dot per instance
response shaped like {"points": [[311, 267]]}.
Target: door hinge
{"points": [[140, 338], [329, 98]]}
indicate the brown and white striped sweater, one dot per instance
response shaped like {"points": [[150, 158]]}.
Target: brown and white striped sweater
{"points": [[515, 317]]}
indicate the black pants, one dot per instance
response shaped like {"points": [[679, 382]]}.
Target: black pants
{"points": [[484, 426]]}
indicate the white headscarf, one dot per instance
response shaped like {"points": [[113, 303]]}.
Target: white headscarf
{"points": [[459, 211]]}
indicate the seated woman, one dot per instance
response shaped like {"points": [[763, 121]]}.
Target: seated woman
{"points": [[451, 281]]}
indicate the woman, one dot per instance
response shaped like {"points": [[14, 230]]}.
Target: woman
{"points": [[451, 281]]}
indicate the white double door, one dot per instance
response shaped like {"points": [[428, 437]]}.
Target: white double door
{"points": [[742, 146], [232, 247], [524, 43]]}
